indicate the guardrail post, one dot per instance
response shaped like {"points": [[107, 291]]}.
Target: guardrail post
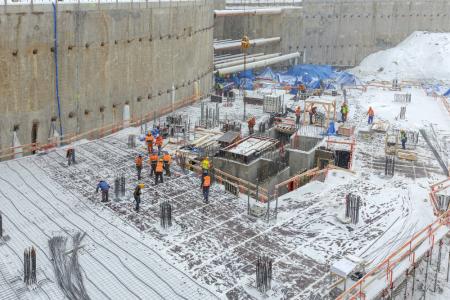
{"points": [[248, 200], [276, 203], [257, 190]]}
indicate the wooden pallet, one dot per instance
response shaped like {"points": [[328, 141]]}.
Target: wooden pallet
{"points": [[407, 155]]}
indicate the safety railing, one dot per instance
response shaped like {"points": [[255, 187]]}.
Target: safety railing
{"points": [[408, 251], [243, 186], [95, 133], [435, 188]]}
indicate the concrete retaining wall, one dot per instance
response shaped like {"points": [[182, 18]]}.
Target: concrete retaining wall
{"points": [[109, 54], [340, 32], [343, 32]]}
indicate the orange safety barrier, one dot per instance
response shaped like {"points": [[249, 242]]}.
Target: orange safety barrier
{"points": [[27, 149], [444, 102], [357, 291], [244, 187], [435, 188]]}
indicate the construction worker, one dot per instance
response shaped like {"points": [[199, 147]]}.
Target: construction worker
{"points": [[153, 161], [302, 88], [205, 166], [70, 155], [251, 125], [370, 113], [159, 171], [137, 195], [403, 139], [344, 112], [298, 112], [312, 113], [149, 140], [159, 143], [167, 159], [206, 183], [104, 187], [138, 161]]}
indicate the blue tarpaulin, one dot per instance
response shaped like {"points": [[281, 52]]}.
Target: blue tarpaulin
{"points": [[447, 93], [267, 74], [312, 76]]}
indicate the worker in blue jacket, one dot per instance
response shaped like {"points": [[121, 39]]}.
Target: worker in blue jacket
{"points": [[104, 187]]}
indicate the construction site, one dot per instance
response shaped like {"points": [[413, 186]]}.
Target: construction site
{"points": [[229, 149]]}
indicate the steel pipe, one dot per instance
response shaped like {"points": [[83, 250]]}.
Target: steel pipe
{"points": [[238, 58], [258, 64], [237, 45], [247, 12], [220, 58], [247, 60]]}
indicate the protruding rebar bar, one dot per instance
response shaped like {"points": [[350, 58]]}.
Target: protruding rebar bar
{"points": [[263, 273]]}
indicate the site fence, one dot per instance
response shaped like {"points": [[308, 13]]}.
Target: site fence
{"points": [[96, 133]]}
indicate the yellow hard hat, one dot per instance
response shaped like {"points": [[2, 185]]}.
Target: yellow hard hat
{"points": [[141, 185]]}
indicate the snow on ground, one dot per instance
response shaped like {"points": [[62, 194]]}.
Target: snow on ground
{"points": [[211, 249], [423, 55]]}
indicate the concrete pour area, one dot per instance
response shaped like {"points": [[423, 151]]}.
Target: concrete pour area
{"points": [[217, 244], [211, 249]]}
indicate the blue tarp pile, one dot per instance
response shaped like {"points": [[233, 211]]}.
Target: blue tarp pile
{"points": [[312, 76], [447, 93], [437, 89]]}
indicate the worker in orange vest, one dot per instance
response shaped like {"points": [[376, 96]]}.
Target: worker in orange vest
{"points": [[251, 125], [159, 143], [167, 159], [302, 88], [149, 140], [206, 183], [370, 113], [159, 171], [153, 160], [138, 161], [298, 112]]}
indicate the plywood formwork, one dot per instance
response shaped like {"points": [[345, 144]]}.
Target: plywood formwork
{"points": [[328, 106]]}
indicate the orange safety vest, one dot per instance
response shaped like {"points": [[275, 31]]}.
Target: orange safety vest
{"points": [[159, 166], [297, 112], [371, 113], [149, 139], [153, 158], [206, 181], [159, 141], [166, 158], [138, 161]]}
